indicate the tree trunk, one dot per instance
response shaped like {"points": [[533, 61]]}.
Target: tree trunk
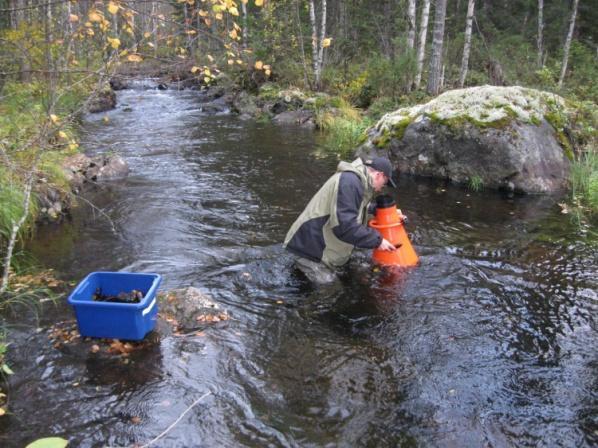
{"points": [[423, 32], [321, 45], [314, 40], [317, 43], [540, 39], [436, 59], [301, 45], [411, 25], [568, 43], [467, 45], [244, 32]]}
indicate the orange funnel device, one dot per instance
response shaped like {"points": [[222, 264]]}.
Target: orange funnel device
{"points": [[389, 222]]}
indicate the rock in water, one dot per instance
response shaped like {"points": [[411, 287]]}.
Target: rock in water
{"points": [[503, 137]]}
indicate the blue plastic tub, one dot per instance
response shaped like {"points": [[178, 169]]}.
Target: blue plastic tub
{"points": [[130, 321]]}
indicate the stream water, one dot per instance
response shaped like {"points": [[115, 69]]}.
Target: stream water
{"points": [[491, 341]]}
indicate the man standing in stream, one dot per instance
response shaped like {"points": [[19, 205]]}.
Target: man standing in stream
{"points": [[335, 219]]}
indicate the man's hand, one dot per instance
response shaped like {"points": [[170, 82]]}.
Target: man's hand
{"points": [[386, 245]]}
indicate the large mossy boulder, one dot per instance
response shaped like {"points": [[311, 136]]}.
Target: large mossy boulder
{"points": [[499, 137]]}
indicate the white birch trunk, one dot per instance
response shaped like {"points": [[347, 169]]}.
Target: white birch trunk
{"points": [[568, 43], [540, 38], [12, 240], [423, 32], [467, 45], [314, 42], [411, 25], [321, 46], [244, 33], [436, 59]]}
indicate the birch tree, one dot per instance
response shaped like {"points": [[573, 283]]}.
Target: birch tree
{"points": [[411, 24], [540, 37], [568, 43], [437, 43], [467, 45], [421, 50], [318, 42]]}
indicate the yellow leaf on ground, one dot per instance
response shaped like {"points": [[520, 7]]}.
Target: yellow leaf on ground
{"points": [[147, 34], [326, 42], [234, 11], [202, 13], [258, 65], [62, 135], [54, 119], [207, 79], [134, 58], [207, 72], [267, 72], [195, 69], [230, 62], [112, 8], [210, 58], [73, 18], [259, 2]]}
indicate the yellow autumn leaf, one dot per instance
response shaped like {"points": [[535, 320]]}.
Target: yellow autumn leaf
{"points": [[259, 2], [207, 72], [195, 69], [62, 135], [207, 21], [326, 42], [218, 16], [94, 16], [239, 61], [73, 18], [244, 1], [233, 34], [233, 11], [267, 72], [147, 34], [2, 412], [149, 44], [191, 32], [258, 65], [90, 32], [114, 42], [112, 8], [73, 146], [207, 79], [135, 58], [54, 119], [202, 13], [267, 67], [230, 62], [210, 58]]}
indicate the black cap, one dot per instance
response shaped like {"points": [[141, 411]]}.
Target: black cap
{"points": [[383, 165]]}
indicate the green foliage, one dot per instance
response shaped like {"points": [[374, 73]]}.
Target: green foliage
{"points": [[584, 180], [391, 77], [476, 183], [49, 442]]}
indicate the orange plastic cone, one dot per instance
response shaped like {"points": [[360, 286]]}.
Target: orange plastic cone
{"points": [[389, 222]]}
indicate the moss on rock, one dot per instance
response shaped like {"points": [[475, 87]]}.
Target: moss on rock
{"points": [[483, 107]]}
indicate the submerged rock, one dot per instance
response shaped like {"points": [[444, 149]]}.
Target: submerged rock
{"points": [[190, 308], [499, 137]]}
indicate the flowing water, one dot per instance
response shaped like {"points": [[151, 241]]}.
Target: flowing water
{"points": [[491, 341]]}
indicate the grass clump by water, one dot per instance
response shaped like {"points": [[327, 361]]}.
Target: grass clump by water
{"points": [[343, 126], [584, 182]]}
